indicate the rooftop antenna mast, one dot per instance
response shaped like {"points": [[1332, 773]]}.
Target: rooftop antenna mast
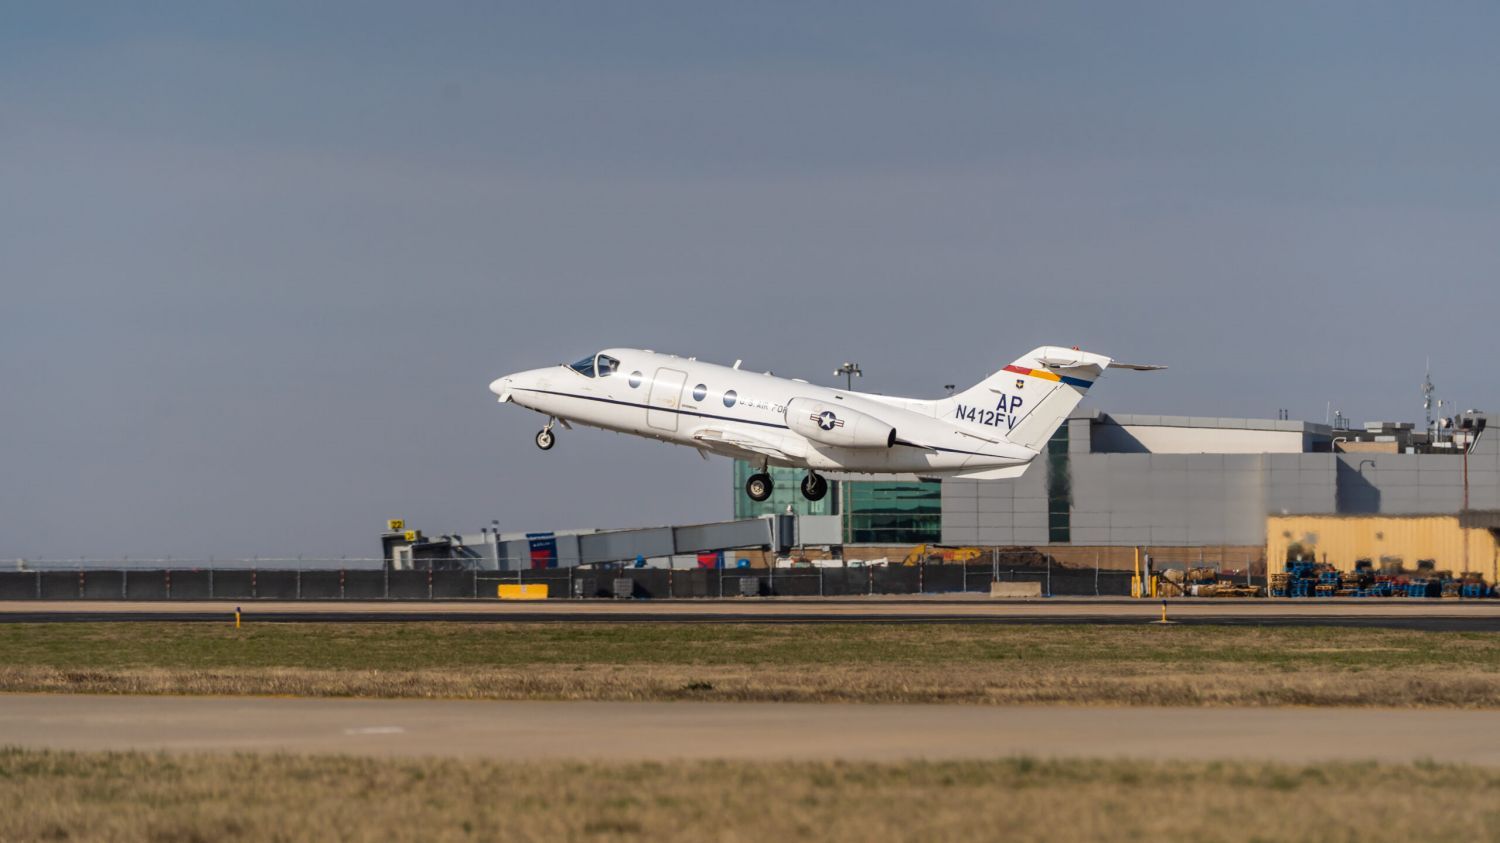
{"points": [[1427, 390]]}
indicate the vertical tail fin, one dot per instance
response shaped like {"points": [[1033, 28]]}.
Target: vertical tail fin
{"points": [[1027, 400]]}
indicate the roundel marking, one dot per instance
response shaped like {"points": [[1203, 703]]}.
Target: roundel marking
{"points": [[730, 397], [700, 392], [827, 420]]}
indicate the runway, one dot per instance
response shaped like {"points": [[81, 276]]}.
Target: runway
{"points": [[751, 731], [1430, 615]]}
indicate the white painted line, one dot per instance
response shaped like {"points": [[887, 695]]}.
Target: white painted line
{"points": [[375, 730]]}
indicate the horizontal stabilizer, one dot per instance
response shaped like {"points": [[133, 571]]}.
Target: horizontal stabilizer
{"points": [[1139, 367], [1009, 472]]}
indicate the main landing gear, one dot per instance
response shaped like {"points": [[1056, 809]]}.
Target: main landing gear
{"points": [[814, 486], [544, 438], [759, 486]]}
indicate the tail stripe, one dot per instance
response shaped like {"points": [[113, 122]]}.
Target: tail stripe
{"points": [[1050, 376]]}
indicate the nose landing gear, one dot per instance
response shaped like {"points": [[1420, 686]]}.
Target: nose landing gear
{"points": [[544, 438], [814, 486]]}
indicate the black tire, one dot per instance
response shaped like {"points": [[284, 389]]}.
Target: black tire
{"points": [[814, 486], [759, 487], [545, 440]]}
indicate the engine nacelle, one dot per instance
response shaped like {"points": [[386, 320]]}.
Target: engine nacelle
{"points": [[832, 424]]}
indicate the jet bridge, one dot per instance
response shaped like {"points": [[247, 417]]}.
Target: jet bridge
{"points": [[499, 551]]}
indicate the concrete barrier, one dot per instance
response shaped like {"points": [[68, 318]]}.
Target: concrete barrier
{"points": [[1015, 589]]}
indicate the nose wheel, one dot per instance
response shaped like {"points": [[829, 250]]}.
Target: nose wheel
{"points": [[544, 438], [814, 486], [759, 486]]}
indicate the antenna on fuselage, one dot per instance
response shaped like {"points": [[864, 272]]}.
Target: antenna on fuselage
{"points": [[737, 364]]}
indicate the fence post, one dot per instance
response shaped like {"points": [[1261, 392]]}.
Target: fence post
{"points": [[570, 582], [1049, 575], [921, 577], [820, 582], [210, 582], [299, 582], [169, 584], [429, 582], [124, 584], [387, 592], [341, 583], [254, 591]]}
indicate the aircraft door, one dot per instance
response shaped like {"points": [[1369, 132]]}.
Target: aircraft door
{"points": [[666, 395]]}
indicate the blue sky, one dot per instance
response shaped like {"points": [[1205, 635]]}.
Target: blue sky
{"points": [[260, 260]]}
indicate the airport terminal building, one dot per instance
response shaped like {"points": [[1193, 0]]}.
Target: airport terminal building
{"points": [[1192, 487]]}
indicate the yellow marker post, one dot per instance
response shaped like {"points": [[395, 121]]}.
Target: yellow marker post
{"points": [[236, 617], [1164, 615]]}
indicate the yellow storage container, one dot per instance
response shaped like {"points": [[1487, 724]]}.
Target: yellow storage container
{"points": [[1340, 540], [528, 591]]}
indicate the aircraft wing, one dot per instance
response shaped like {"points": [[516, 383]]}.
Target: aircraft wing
{"points": [[739, 443]]}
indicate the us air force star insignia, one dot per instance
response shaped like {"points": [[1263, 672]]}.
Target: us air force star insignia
{"points": [[828, 420]]}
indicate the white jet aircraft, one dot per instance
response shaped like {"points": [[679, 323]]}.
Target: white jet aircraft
{"points": [[991, 431]]}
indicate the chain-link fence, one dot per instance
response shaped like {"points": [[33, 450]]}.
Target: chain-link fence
{"points": [[562, 583]]}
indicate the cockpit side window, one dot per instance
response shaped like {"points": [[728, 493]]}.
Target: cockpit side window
{"points": [[584, 367], [596, 366]]}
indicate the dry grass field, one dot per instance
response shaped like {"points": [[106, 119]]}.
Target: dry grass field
{"points": [[135, 796], [1188, 665]]}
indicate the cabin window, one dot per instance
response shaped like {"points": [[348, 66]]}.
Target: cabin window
{"points": [[635, 380], [700, 392], [584, 367], [607, 365], [730, 397]]}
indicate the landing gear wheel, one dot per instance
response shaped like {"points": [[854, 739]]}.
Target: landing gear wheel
{"points": [[758, 487], [544, 438], [814, 486]]}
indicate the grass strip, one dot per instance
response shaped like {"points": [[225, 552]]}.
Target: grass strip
{"points": [[1188, 665], [141, 796]]}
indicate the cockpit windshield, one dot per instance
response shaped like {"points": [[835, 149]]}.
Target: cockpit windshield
{"points": [[596, 366]]}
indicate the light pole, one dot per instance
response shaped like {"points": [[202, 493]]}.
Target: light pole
{"points": [[850, 371]]}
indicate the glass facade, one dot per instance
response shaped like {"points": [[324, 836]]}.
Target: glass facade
{"points": [[893, 513], [786, 489], [1059, 489]]}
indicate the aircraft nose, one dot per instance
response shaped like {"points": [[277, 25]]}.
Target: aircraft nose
{"points": [[501, 388]]}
